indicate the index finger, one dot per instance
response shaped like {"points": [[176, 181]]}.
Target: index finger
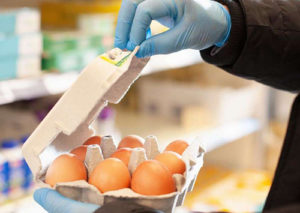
{"points": [[125, 18]]}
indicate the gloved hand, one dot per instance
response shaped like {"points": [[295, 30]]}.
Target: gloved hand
{"points": [[53, 202], [194, 24]]}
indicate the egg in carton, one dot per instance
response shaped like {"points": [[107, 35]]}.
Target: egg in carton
{"points": [[85, 192], [106, 79]]}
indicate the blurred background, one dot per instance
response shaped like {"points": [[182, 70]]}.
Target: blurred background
{"points": [[43, 46]]}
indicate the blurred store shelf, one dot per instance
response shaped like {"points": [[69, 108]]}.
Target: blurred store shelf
{"points": [[35, 87], [166, 131], [56, 83], [175, 60]]}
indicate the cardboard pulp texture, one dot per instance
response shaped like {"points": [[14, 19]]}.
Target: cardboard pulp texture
{"points": [[67, 126]]}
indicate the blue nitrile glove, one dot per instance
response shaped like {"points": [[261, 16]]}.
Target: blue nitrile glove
{"points": [[194, 24], [53, 202]]}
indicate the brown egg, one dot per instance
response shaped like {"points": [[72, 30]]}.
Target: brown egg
{"points": [[65, 168], [93, 140], [177, 146], [123, 154], [173, 161], [80, 152], [152, 178], [131, 141], [110, 174]]}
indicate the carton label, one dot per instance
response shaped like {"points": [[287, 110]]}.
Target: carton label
{"points": [[118, 60]]}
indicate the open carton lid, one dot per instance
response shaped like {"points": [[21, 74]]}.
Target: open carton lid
{"points": [[106, 79]]}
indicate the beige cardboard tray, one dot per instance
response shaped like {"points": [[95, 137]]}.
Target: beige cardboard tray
{"points": [[82, 191], [67, 126]]}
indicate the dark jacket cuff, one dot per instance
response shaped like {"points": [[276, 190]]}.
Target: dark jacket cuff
{"points": [[228, 54]]}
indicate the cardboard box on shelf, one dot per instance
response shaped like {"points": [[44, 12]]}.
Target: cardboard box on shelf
{"points": [[20, 43], [101, 24], [69, 61], [71, 50], [15, 45], [57, 41], [20, 67], [19, 21], [218, 99]]}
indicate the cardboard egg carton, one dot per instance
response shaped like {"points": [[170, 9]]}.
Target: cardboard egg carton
{"points": [[67, 125], [82, 191]]}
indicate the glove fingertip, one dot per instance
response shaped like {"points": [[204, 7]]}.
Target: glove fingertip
{"points": [[130, 46], [139, 54], [146, 49], [119, 44]]}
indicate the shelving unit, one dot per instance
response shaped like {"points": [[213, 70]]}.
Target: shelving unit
{"points": [[35, 87], [56, 83], [175, 60]]}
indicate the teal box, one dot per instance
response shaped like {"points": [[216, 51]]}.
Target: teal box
{"points": [[9, 46], [19, 21], [27, 44], [20, 67], [8, 68]]}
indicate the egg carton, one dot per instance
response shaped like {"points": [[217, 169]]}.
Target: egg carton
{"points": [[82, 191], [106, 79]]}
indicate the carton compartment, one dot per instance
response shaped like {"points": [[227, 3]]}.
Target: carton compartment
{"points": [[84, 192]]}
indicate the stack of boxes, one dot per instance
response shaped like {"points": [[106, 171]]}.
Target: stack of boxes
{"points": [[69, 51], [74, 37], [20, 43]]}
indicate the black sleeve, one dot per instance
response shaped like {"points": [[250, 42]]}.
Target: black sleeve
{"points": [[286, 209], [264, 42]]}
